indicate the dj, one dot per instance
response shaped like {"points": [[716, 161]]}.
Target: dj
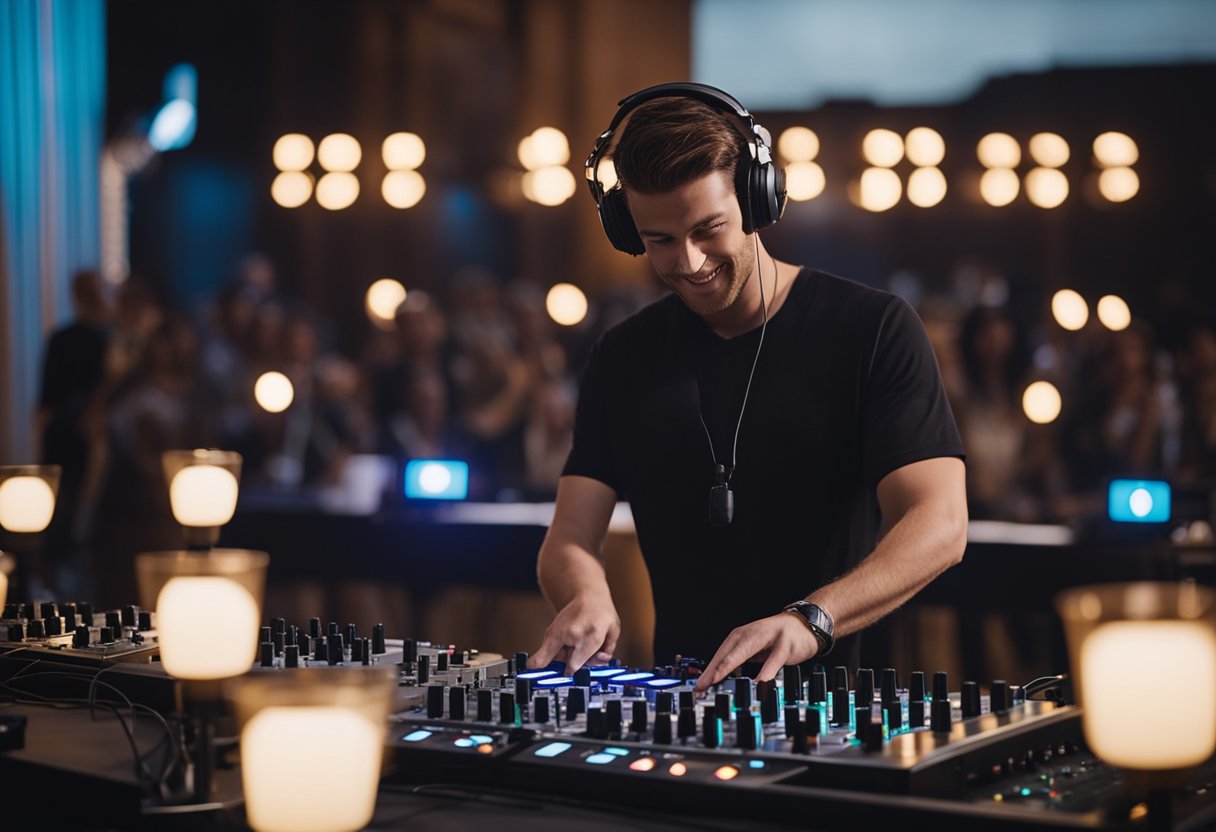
{"points": [[762, 421]]}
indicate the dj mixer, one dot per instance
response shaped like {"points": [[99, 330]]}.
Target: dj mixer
{"points": [[821, 749]]}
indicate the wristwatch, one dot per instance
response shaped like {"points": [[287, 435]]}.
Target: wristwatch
{"points": [[818, 621]]}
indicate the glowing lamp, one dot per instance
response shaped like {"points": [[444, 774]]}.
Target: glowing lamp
{"points": [[436, 479], [804, 180], [339, 152], [1138, 501], [550, 185], [383, 298], [879, 189], [293, 152], [306, 736], [1114, 313], [27, 497], [1046, 187], [338, 190], [403, 151], [926, 187], [291, 188], [1118, 184], [203, 487], [798, 144], [925, 147], [998, 150], [7, 564], [566, 304], [403, 188], [273, 392], [1069, 309], [999, 186], [1041, 402]]}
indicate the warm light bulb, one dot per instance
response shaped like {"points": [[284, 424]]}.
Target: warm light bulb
{"points": [[1114, 313], [925, 147], [550, 146], [295, 760], [999, 150], [879, 189], [1114, 149], [804, 181], [999, 186], [291, 188], [1041, 402], [336, 191], [926, 187], [206, 627], [273, 392], [1049, 149], [566, 304], [203, 495], [403, 188], [1046, 187], [403, 151], [549, 185], [798, 144], [293, 152], [1118, 184], [339, 152], [27, 504], [882, 148], [1069, 309]]}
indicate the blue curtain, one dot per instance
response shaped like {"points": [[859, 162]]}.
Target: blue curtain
{"points": [[52, 111]]}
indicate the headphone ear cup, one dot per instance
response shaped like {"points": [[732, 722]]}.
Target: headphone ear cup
{"points": [[618, 223], [766, 194]]}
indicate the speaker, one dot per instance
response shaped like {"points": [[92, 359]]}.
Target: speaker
{"points": [[759, 184]]}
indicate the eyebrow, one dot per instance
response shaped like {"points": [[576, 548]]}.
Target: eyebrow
{"points": [[695, 226]]}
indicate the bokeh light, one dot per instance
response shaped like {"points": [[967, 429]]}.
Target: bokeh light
{"points": [[883, 148], [804, 180], [798, 144], [1113, 149], [382, 299], [1114, 313], [926, 187], [925, 147], [1118, 184], [551, 185], [293, 151], [336, 191], [1069, 309], [545, 146], [291, 188], [403, 188], [999, 186], [403, 151], [566, 304], [1046, 187], [273, 392], [1049, 150], [1041, 402], [605, 172], [999, 150], [339, 152], [879, 189]]}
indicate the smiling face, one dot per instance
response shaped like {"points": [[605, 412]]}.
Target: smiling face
{"points": [[694, 238]]}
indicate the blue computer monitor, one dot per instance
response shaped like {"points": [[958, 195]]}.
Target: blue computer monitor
{"points": [[1138, 501], [436, 479]]}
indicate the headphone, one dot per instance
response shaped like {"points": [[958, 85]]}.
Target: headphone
{"points": [[759, 184]]}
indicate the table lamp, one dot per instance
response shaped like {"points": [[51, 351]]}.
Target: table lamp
{"points": [[27, 504], [203, 487], [7, 564], [1164, 632], [208, 608], [310, 735]]}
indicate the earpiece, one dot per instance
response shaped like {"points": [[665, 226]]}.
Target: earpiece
{"points": [[760, 185]]}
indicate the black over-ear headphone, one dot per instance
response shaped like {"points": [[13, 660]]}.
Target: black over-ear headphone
{"points": [[760, 185]]}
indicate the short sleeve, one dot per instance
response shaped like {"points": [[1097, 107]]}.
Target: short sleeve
{"points": [[906, 416], [591, 454]]}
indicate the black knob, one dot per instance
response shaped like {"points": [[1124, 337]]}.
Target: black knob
{"points": [[711, 728], [520, 662], [145, 620], [916, 685], [53, 625], [378, 646], [641, 716], [895, 715], [791, 678], [889, 686], [576, 702], [292, 636], [840, 676], [664, 702], [434, 701], [792, 720], [998, 697], [12, 610], [916, 713], [686, 700], [612, 711], [766, 692], [80, 638], [485, 705], [35, 628], [662, 728], [456, 700], [16, 632], [873, 738], [278, 640], [523, 690], [840, 706], [129, 615], [863, 695], [266, 654], [85, 609], [263, 635], [351, 634], [70, 617], [333, 629], [48, 609], [540, 709], [113, 620], [939, 716], [320, 650], [819, 687], [723, 707], [279, 625], [582, 677], [746, 731], [314, 628], [441, 660], [424, 669], [686, 726], [597, 725], [812, 721], [508, 713], [743, 695], [291, 655], [409, 651], [335, 648], [799, 744], [941, 685], [365, 651], [969, 700], [27, 611], [104, 636]]}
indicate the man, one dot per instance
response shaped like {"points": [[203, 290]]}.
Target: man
{"points": [[761, 421]]}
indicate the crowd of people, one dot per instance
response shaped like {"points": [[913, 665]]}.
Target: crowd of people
{"points": [[482, 374]]}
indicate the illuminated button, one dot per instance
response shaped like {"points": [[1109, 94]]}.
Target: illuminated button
{"points": [[555, 681], [659, 683], [601, 759], [617, 752], [416, 736], [464, 742], [481, 739], [604, 672], [642, 764], [485, 749], [755, 764], [536, 674], [631, 677], [553, 749], [677, 770], [723, 773]]}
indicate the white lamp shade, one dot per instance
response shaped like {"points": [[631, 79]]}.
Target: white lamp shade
{"points": [[27, 504], [310, 768], [207, 627], [203, 495]]}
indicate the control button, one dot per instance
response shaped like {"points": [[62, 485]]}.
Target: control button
{"points": [[130, 616], [423, 671], [291, 655], [941, 685], [434, 701], [441, 660], [53, 625], [540, 709], [35, 628], [641, 716], [582, 677], [711, 728], [743, 694], [969, 700], [766, 692], [576, 702], [998, 697], [687, 724], [916, 685], [378, 645], [791, 680], [792, 720], [662, 728], [747, 731], [597, 725], [840, 706], [266, 654], [485, 705], [819, 687], [664, 702], [508, 714], [456, 701], [889, 686], [614, 715], [80, 638], [722, 706], [863, 695], [939, 716]]}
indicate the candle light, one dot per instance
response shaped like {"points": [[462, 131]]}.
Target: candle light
{"points": [[203, 489], [207, 627]]}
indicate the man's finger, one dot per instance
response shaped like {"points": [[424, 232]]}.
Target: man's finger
{"points": [[579, 654], [547, 650], [776, 660]]}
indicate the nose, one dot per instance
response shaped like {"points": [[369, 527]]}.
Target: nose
{"points": [[688, 259]]}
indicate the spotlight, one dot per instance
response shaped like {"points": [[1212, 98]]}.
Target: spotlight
{"points": [[1049, 150], [336, 191], [566, 304], [1046, 187], [1113, 149], [999, 186], [804, 181], [926, 187], [403, 151], [925, 147], [291, 188], [1118, 184], [274, 391], [383, 298], [879, 189], [1041, 402], [293, 151], [1069, 309], [1114, 313], [403, 188]]}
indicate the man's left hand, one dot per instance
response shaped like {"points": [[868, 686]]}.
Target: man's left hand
{"points": [[780, 639]]}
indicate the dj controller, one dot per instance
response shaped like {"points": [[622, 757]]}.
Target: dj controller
{"points": [[820, 749]]}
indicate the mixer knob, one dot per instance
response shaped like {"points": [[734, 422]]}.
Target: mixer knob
{"points": [[409, 651], [916, 685], [27, 611], [819, 687], [895, 715], [939, 716], [424, 669], [12, 610], [686, 726], [576, 703], [746, 731], [104, 636], [291, 655], [441, 660], [114, 620], [485, 705], [916, 713], [130, 615], [16, 632], [722, 706], [434, 701], [791, 679], [766, 692], [320, 651], [743, 694], [969, 700], [85, 609], [333, 629], [863, 696], [335, 648], [523, 690], [711, 728], [266, 654], [889, 686], [840, 706], [279, 624], [582, 677], [641, 716], [941, 685], [872, 741], [144, 622], [351, 634], [263, 635], [378, 645], [840, 677], [799, 744], [456, 701], [277, 639], [664, 702], [686, 699], [365, 651], [540, 709], [48, 609], [597, 725], [998, 697], [662, 728], [792, 719], [520, 662], [612, 710], [35, 628], [292, 636], [80, 638], [70, 620], [813, 721], [53, 626]]}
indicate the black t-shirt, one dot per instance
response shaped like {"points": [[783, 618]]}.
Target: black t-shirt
{"points": [[846, 390]]}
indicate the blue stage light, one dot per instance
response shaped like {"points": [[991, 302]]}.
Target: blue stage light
{"points": [[1138, 501], [436, 479]]}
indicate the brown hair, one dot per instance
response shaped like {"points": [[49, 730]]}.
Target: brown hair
{"points": [[669, 142]]}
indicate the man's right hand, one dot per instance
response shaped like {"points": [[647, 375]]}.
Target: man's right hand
{"points": [[586, 628]]}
